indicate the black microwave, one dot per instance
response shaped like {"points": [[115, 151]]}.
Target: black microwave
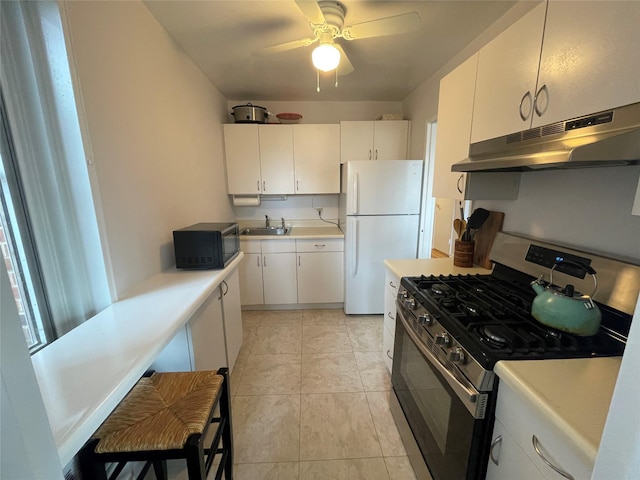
{"points": [[206, 246]]}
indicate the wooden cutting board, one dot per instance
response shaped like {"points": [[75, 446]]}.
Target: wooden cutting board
{"points": [[484, 238]]}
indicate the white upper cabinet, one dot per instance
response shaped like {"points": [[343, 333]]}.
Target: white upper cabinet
{"points": [[374, 140], [259, 159], [317, 158], [242, 154], [276, 158], [455, 111], [506, 79], [587, 62], [590, 59]]}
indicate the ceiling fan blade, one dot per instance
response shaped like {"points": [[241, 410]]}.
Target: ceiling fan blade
{"points": [[283, 47], [345, 67], [311, 10], [403, 23]]}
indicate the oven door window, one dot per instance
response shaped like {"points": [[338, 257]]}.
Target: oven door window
{"points": [[442, 426]]}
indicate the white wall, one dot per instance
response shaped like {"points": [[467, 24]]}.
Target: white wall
{"points": [[324, 112], [294, 209], [152, 122], [586, 208]]}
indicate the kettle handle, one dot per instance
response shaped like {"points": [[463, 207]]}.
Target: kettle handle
{"points": [[587, 268]]}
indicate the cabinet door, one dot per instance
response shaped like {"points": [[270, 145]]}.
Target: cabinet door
{"points": [[455, 111], [320, 277], [506, 80], [317, 158], [279, 278], [390, 139], [250, 272], [387, 348], [276, 159], [507, 460], [232, 314], [356, 141], [242, 156], [206, 333], [590, 59]]}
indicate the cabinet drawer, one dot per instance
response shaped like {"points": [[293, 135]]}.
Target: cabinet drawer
{"points": [[391, 282], [250, 246], [320, 245], [523, 422], [278, 246]]}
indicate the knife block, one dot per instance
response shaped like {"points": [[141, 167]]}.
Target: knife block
{"points": [[463, 253]]}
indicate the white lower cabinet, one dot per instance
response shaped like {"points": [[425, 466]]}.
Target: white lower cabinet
{"points": [[391, 285], [518, 429], [279, 278], [320, 270], [283, 272], [206, 335], [507, 460], [232, 316]]}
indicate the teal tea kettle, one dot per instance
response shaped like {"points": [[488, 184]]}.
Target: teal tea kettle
{"points": [[563, 309]]}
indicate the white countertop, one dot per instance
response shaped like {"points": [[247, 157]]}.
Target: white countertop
{"points": [[300, 233], [430, 266], [85, 374], [573, 394]]}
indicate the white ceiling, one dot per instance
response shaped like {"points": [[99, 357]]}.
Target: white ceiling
{"points": [[221, 37]]}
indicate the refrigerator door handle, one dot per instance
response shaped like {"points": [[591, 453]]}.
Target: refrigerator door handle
{"points": [[354, 248], [356, 194]]}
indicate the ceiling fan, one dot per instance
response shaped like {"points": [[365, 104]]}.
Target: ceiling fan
{"points": [[327, 19]]}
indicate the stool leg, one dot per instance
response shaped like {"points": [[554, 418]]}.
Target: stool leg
{"points": [[89, 468], [194, 454], [227, 434], [160, 469]]}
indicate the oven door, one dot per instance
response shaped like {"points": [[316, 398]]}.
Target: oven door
{"points": [[441, 411]]}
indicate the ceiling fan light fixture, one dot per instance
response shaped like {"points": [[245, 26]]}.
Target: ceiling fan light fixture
{"points": [[326, 57]]}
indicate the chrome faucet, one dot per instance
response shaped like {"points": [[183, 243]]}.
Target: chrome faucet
{"points": [[282, 218], [267, 221]]}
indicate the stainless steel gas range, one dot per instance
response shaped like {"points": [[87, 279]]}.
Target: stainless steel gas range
{"points": [[452, 330]]}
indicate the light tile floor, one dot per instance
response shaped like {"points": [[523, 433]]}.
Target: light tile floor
{"points": [[310, 399]]}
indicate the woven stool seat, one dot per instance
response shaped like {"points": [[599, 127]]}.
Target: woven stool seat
{"points": [[166, 416], [160, 412]]}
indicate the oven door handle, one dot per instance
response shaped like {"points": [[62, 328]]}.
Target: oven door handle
{"points": [[473, 400]]}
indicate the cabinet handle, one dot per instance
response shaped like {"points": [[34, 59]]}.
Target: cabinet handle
{"points": [[258, 185], [264, 185], [369, 154], [391, 284], [522, 115], [298, 260], [376, 153], [536, 446], [317, 245], [389, 354], [264, 261], [495, 442], [226, 288], [458, 183], [391, 316], [539, 112], [258, 261], [297, 185]]}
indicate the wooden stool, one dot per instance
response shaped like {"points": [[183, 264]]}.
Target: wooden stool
{"points": [[165, 416]]}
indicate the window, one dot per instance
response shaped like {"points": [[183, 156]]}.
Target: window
{"points": [[51, 243]]}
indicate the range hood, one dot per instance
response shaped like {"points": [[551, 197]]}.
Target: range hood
{"points": [[606, 138]]}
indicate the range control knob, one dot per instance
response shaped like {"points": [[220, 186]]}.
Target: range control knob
{"points": [[409, 303], [425, 319], [457, 356], [443, 339]]}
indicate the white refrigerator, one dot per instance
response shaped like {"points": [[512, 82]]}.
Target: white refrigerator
{"points": [[379, 215]]}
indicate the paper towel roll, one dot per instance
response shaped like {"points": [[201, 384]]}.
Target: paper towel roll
{"points": [[251, 201]]}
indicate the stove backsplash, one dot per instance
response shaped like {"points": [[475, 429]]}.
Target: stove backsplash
{"points": [[588, 209]]}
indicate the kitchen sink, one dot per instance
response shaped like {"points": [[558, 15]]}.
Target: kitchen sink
{"points": [[265, 231]]}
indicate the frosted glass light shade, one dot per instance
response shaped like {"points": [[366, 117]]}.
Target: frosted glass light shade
{"points": [[325, 57]]}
